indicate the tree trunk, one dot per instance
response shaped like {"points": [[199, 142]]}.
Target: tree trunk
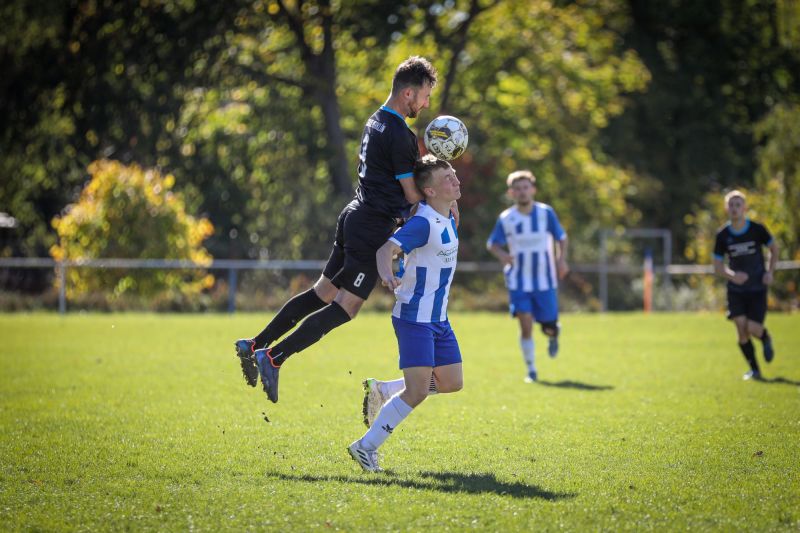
{"points": [[337, 156]]}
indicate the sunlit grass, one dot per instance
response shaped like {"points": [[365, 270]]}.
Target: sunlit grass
{"points": [[642, 422]]}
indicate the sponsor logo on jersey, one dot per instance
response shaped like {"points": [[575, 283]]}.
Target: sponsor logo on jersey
{"points": [[742, 248], [375, 125], [449, 255]]}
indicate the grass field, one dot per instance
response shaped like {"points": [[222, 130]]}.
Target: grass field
{"points": [[116, 422]]}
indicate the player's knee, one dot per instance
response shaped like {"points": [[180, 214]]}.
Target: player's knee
{"points": [[326, 291], [413, 397], [754, 328], [550, 329], [349, 302], [453, 385]]}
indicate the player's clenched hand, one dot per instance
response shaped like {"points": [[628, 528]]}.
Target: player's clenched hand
{"points": [[767, 279], [391, 283], [739, 278], [562, 268]]}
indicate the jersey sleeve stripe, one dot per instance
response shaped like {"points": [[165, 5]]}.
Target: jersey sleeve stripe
{"points": [[398, 243], [404, 176]]}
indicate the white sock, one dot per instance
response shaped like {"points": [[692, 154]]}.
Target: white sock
{"points": [[390, 388], [392, 413], [527, 352]]}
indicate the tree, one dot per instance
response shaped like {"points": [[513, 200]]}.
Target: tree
{"points": [[717, 68], [128, 212], [84, 80]]}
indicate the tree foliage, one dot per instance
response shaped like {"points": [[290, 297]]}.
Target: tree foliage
{"points": [[627, 112], [126, 211], [779, 171], [718, 67]]}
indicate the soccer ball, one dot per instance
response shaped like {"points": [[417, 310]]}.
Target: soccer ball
{"points": [[446, 137]]}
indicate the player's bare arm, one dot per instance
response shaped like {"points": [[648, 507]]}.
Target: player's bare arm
{"points": [[410, 191], [501, 255], [384, 258], [561, 262], [773, 259]]}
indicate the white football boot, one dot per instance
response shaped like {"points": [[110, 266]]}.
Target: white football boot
{"points": [[366, 459]]}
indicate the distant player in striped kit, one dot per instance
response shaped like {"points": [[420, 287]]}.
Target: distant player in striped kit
{"points": [[429, 353], [523, 240]]}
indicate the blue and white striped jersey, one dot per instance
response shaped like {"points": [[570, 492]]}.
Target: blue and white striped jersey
{"points": [[430, 243], [529, 239]]}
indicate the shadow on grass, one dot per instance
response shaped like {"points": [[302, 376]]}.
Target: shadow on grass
{"points": [[568, 384], [780, 380], [475, 483]]}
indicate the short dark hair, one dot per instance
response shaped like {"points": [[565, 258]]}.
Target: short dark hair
{"points": [[414, 71], [423, 170]]}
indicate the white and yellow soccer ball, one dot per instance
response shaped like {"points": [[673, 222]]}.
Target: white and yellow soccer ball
{"points": [[446, 137]]}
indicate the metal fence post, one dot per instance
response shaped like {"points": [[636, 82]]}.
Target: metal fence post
{"points": [[603, 271], [62, 287], [667, 262]]}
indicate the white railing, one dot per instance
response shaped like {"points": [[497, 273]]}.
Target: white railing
{"points": [[233, 266]]}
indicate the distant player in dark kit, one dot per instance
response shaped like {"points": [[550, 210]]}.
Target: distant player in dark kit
{"points": [[742, 240], [385, 194]]}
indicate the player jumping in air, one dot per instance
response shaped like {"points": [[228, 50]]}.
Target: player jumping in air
{"points": [[742, 240], [385, 193], [429, 353], [523, 241]]}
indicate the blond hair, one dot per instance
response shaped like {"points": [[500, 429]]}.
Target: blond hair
{"points": [[518, 175], [736, 193]]}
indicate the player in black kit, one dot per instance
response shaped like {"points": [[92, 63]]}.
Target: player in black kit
{"points": [[742, 240], [385, 194]]}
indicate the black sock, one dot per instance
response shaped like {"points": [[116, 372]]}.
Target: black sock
{"points": [[764, 336], [749, 352], [310, 331], [291, 313]]}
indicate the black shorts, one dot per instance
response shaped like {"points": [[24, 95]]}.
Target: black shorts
{"points": [[360, 231], [752, 304]]}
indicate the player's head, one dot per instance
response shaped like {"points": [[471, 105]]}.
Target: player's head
{"points": [[412, 84], [735, 204], [435, 178], [521, 187]]}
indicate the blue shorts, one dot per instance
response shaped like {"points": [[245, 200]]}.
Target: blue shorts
{"points": [[543, 305], [426, 343]]}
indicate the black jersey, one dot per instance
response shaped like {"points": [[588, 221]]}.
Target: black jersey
{"points": [[388, 153], [745, 253]]}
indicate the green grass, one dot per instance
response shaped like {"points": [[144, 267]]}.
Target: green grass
{"points": [[641, 423]]}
